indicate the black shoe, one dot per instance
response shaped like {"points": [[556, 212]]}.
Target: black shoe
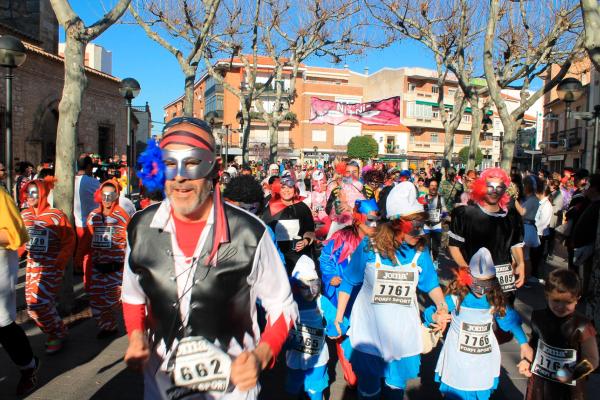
{"points": [[107, 333], [29, 379]]}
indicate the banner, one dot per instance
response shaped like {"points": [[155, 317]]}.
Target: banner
{"points": [[382, 112]]}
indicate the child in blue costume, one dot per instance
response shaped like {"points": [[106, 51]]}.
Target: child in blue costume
{"points": [[385, 324], [334, 259], [307, 354], [468, 367]]}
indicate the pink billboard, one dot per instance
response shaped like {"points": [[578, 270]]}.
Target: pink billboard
{"points": [[382, 112]]}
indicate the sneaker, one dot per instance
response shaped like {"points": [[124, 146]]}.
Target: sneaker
{"points": [[53, 346], [29, 379], [107, 333]]}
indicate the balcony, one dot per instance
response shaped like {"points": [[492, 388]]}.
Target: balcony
{"points": [[574, 135], [216, 88]]}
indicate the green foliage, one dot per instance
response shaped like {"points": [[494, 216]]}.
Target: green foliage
{"points": [[363, 148], [463, 154]]}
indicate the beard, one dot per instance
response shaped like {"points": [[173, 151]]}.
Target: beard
{"points": [[188, 206]]}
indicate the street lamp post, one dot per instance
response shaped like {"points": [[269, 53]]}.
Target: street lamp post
{"points": [[12, 55], [129, 89]]}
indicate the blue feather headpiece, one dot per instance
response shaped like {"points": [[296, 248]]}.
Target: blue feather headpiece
{"points": [[151, 168], [366, 206]]}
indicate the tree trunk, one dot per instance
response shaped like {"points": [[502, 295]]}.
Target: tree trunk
{"points": [[508, 144], [246, 136], [66, 142], [591, 22], [188, 97], [475, 132], [448, 146], [273, 143]]}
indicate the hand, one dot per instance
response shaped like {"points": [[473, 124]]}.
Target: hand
{"points": [[301, 245], [441, 319], [335, 281], [519, 271], [138, 351], [245, 370], [337, 328], [524, 365], [526, 352]]}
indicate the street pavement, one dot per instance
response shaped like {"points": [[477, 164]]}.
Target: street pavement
{"points": [[89, 368]]}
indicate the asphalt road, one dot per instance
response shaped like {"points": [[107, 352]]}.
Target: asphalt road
{"points": [[88, 368]]}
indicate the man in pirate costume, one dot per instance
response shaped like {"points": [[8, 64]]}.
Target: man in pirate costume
{"points": [[489, 224], [190, 289]]}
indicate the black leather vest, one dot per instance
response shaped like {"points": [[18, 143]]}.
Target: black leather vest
{"points": [[220, 300]]}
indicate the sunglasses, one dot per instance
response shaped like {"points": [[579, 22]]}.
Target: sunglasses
{"points": [[288, 182], [417, 228], [33, 193], [371, 221], [497, 188], [109, 196]]}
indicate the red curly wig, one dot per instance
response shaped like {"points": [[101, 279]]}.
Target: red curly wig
{"points": [[479, 188]]}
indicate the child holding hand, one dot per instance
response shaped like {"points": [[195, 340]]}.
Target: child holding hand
{"points": [[563, 343]]}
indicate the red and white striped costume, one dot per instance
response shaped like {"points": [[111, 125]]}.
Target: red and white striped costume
{"points": [[107, 247], [51, 243]]}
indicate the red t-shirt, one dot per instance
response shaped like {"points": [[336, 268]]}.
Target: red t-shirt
{"points": [[188, 234]]}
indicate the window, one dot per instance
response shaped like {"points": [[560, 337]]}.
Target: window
{"points": [[466, 139], [415, 110], [434, 137], [343, 133], [435, 113], [466, 118], [213, 103], [411, 139], [435, 89], [412, 87], [451, 93], [319, 136]]}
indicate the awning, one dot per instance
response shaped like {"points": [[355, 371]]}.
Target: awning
{"points": [[427, 103]]}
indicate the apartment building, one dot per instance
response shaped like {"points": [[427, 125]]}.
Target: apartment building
{"points": [[567, 141]]}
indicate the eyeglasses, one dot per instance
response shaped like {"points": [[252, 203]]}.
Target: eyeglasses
{"points": [[495, 187]]}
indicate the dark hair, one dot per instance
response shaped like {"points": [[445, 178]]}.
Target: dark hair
{"points": [[84, 162], [563, 281], [374, 175], [45, 172], [495, 297], [22, 167], [156, 195], [594, 181], [245, 189], [273, 179]]}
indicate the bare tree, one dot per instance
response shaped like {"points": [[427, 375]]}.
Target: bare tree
{"points": [[287, 32], [522, 41], [450, 30], [77, 35], [591, 22], [179, 26]]}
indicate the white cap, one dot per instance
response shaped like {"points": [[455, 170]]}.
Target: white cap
{"points": [[305, 269], [274, 166], [482, 265], [402, 201]]}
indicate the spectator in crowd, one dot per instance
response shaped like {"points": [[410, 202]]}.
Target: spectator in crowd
{"points": [[528, 211], [83, 204], [556, 199], [543, 218], [23, 174], [436, 212], [576, 207], [3, 176], [584, 231], [450, 189]]}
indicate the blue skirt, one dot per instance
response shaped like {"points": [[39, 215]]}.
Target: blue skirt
{"points": [[396, 373], [451, 393]]}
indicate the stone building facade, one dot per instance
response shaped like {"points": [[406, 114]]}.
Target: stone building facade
{"points": [[37, 90]]}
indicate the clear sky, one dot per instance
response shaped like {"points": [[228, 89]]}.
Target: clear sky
{"points": [[137, 56]]}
